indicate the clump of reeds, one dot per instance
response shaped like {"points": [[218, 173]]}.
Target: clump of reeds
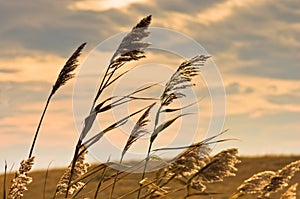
{"points": [[21, 180], [193, 169], [179, 81], [189, 162], [81, 167], [267, 182], [131, 49]]}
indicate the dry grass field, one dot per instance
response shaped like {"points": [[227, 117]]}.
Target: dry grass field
{"points": [[248, 167]]}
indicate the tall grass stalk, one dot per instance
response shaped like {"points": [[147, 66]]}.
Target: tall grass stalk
{"points": [[4, 180], [131, 49], [45, 182], [137, 132], [179, 81], [64, 75]]}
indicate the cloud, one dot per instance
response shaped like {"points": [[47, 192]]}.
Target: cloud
{"points": [[223, 10], [254, 96], [236, 89], [52, 28], [251, 33], [8, 71], [23, 98], [262, 33], [283, 99]]}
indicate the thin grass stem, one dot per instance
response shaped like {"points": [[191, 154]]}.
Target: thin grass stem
{"points": [[39, 126], [4, 180]]}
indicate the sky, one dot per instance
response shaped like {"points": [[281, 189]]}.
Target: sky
{"points": [[255, 47]]}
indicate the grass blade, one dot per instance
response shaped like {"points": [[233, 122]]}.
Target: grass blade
{"points": [[99, 135], [164, 125], [45, 182]]}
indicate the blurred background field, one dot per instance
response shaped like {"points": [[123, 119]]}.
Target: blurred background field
{"points": [[248, 167]]}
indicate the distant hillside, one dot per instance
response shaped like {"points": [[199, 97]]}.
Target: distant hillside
{"points": [[248, 167]]}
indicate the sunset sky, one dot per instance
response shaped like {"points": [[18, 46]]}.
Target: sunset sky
{"points": [[254, 44]]}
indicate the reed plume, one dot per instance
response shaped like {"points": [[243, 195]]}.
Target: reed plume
{"points": [[80, 169], [189, 162], [21, 180], [220, 166], [267, 182], [290, 193], [254, 184], [64, 75], [138, 130], [131, 49], [281, 179], [194, 168], [66, 72], [180, 80]]}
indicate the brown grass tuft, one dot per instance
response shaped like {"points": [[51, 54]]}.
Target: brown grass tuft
{"points": [[80, 168], [21, 180]]}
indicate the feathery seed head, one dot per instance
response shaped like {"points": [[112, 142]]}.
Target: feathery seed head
{"points": [[181, 79], [81, 168], [21, 180], [281, 178], [290, 193], [66, 72], [132, 47], [138, 130], [189, 161], [221, 165], [267, 182], [255, 183]]}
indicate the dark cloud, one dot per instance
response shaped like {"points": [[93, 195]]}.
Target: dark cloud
{"points": [[8, 71], [51, 27], [236, 88], [263, 31], [261, 34], [270, 46], [185, 6], [292, 99]]}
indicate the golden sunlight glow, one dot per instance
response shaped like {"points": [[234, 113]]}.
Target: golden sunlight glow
{"points": [[92, 5], [221, 11]]}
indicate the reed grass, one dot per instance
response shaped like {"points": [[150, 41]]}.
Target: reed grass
{"points": [[65, 74], [267, 182], [290, 193], [21, 180], [190, 172]]}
